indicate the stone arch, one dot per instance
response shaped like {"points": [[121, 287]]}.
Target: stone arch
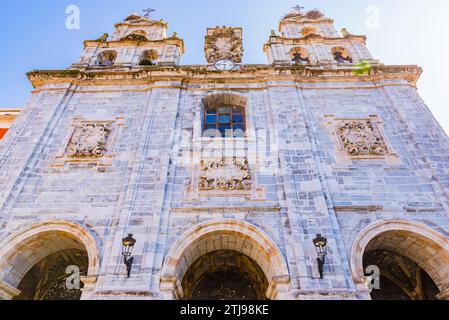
{"points": [[235, 235], [341, 55], [416, 241], [137, 35], [213, 108], [107, 58], [229, 99], [21, 250], [148, 58], [300, 55]]}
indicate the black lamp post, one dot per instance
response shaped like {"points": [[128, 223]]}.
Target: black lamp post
{"points": [[127, 250], [321, 248]]}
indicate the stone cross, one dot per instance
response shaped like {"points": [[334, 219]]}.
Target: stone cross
{"points": [[148, 12], [298, 8]]}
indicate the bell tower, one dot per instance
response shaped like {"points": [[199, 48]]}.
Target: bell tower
{"points": [[137, 42], [310, 38]]}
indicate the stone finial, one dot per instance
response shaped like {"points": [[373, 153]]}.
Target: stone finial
{"points": [[345, 33], [103, 38]]}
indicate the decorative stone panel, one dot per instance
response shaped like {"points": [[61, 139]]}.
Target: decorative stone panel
{"points": [[359, 138], [225, 177], [224, 43], [90, 141]]}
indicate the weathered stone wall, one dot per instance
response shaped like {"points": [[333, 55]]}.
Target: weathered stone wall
{"points": [[308, 186]]}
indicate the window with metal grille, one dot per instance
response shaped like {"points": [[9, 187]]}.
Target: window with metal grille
{"points": [[227, 121]]}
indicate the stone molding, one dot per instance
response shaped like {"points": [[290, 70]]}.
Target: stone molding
{"points": [[8, 292], [444, 295], [222, 209], [253, 73]]}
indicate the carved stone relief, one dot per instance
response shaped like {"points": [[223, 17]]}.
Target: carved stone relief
{"points": [[225, 175], [224, 44], [89, 140], [361, 137]]}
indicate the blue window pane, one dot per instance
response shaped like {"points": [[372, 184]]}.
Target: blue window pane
{"points": [[224, 119], [211, 119], [211, 111], [237, 118], [238, 126], [237, 110], [224, 110]]}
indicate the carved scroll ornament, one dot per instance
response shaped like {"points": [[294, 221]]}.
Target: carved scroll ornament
{"points": [[361, 137], [223, 43], [225, 175], [89, 140]]}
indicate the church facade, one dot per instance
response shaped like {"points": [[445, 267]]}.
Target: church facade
{"points": [[319, 175]]}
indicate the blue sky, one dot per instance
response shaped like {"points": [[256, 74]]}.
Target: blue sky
{"points": [[34, 35]]}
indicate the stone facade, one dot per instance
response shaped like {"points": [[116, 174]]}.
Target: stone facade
{"points": [[101, 151]]}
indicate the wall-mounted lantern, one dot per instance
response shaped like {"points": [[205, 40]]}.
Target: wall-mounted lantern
{"points": [[321, 248], [127, 250]]}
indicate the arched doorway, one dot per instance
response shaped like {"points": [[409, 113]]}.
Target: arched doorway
{"points": [[412, 258], [224, 259], [48, 279], [46, 261], [224, 275]]}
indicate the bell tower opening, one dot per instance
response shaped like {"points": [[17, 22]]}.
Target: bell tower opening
{"points": [[225, 275]]}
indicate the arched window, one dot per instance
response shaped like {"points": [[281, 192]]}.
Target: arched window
{"points": [[224, 119], [148, 58], [106, 58], [341, 55], [224, 115], [299, 56], [138, 35]]}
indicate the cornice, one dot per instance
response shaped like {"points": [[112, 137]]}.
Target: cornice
{"points": [[142, 23], [296, 20], [123, 43], [202, 74], [313, 38]]}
